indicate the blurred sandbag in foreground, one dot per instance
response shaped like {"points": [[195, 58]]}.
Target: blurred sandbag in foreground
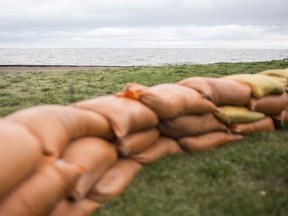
{"points": [[124, 114], [20, 155], [95, 155]]}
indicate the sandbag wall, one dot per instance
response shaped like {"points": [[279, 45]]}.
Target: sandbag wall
{"points": [[69, 160]]}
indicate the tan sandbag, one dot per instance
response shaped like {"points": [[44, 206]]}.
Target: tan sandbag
{"points": [[231, 114], [20, 154], [190, 125], [283, 73], [56, 125], [136, 142], [265, 124], [261, 85], [281, 117], [220, 91], [270, 104], [162, 147], [115, 180], [124, 114], [83, 207], [207, 141], [96, 155], [169, 100], [40, 193]]}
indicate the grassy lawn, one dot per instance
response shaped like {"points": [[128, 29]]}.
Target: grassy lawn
{"points": [[249, 177]]}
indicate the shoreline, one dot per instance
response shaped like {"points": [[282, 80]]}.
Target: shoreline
{"points": [[47, 68]]}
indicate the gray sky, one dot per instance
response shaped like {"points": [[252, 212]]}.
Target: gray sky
{"points": [[144, 23]]}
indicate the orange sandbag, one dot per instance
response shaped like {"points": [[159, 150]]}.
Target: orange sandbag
{"points": [[270, 104], [207, 141], [162, 147], [124, 114], [190, 125], [265, 124], [20, 154], [83, 207], [169, 100], [115, 180], [56, 125], [220, 91], [40, 193], [136, 142], [95, 155]]}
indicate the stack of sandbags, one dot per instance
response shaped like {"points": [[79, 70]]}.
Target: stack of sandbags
{"points": [[281, 117], [202, 132], [134, 126], [268, 99], [169, 102], [30, 183], [32, 143]]}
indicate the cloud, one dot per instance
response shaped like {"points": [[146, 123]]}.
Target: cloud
{"points": [[143, 22], [176, 36]]}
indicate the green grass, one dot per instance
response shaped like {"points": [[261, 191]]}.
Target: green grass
{"points": [[248, 177]]}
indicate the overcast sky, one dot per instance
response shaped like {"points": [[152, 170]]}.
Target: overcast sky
{"points": [[144, 23]]}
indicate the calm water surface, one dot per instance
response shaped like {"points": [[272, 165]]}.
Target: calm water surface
{"points": [[134, 57]]}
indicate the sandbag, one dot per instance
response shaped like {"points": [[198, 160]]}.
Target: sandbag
{"points": [[207, 141], [265, 124], [115, 180], [56, 125], [96, 155], [136, 142], [270, 104], [281, 117], [261, 85], [220, 91], [162, 147], [231, 114], [40, 193], [83, 207], [20, 154], [169, 100], [124, 114], [283, 73], [190, 125]]}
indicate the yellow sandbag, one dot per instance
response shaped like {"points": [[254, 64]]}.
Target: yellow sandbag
{"points": [[283, 73], [207, 141], [261, 85], [169, 100], [190, 125], [220, 91], [115, 180], [95, 155], [124, 114], [40, 193], [83, 207], [265, 124], [56, 125], [231, 114], [162, 147], [270, 104], [20, 154], [136, 142]]}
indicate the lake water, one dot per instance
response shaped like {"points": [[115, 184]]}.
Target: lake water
{"points": [[134, 56]]}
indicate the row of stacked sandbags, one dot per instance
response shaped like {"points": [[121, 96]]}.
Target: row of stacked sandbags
{"points": [[76, 158], [34, 178], [242, 104], [67, 160]]}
